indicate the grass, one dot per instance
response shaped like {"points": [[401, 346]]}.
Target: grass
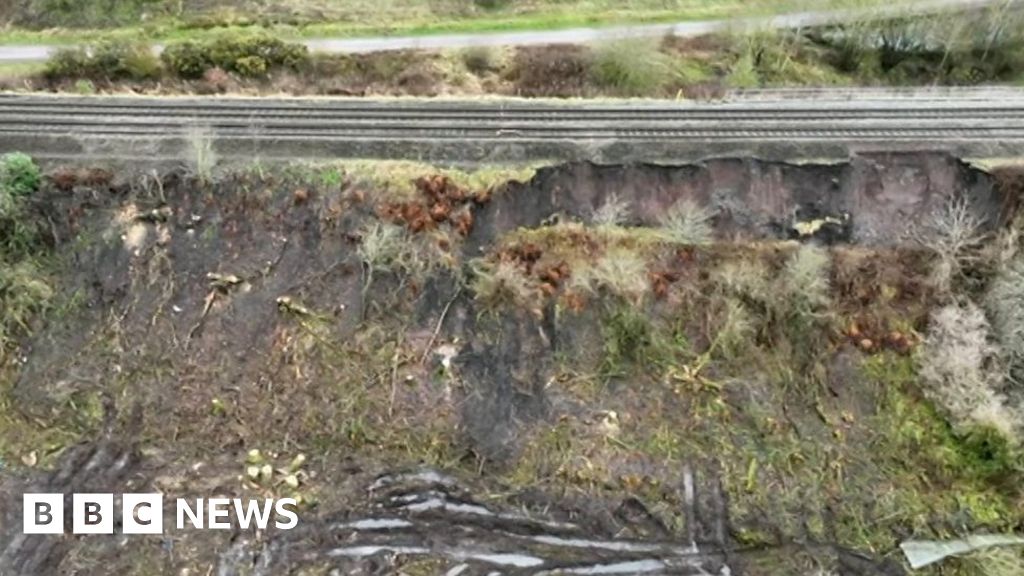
{"points": [[397, 178], [359, 18]]}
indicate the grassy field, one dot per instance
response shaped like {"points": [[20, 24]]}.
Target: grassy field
{"points": [[59, 21]]}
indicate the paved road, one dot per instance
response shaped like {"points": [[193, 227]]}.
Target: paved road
{"points": [[36, 53], [982, 122]]}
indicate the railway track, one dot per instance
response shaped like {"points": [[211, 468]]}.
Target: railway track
{"points": [[979, 122]]}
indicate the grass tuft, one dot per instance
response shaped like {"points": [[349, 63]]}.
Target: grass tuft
{"points": [[687, 223], [631, 67]]}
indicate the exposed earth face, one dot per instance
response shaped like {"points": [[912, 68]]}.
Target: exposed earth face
{"points": [[502, 379]]}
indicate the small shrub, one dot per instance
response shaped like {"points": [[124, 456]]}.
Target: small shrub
{"points": [[251, 66], [628, 339], [629, 67], [955, 234], [85, 87], [960, 372], [249, 56], [67, 63], [743, 73], [19, 175], [804, 280], [687, 223], [108, 61], [187, 59]]}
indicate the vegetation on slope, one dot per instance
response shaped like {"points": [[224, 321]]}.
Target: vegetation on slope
{"points": [[830, 391]]}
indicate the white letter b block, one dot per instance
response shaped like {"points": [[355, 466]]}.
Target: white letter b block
{"points": [[43, 513], [92, 514]]}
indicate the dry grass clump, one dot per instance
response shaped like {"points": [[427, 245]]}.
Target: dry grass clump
{"points": [[960, 372], [737, 329], [502, 284], [618, 271], [804, 284], [631, 67], [747, 280], [687, 223]]}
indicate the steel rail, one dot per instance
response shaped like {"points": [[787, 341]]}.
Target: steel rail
{"points": [[504, 130]]}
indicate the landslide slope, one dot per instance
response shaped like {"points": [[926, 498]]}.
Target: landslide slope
{"points": [[673, 368]]}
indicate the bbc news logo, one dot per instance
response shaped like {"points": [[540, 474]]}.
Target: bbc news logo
{"points": [[144, 513]]}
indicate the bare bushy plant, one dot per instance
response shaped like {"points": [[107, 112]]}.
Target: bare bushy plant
{"points": [[502, 283], [959, 368], [613, 212], [687, 223], [619, 271], [955, 234]]}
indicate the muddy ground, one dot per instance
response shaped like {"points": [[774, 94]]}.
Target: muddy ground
{"points": [[500, 379]]}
